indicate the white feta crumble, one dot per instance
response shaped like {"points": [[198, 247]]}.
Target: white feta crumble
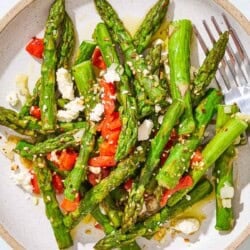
{"points": [[160, 119], [145, 129], [111, 74], [72, 110], [12, 98], [65, 83], [78, 135], [157, 108], [158, 42], [95, 170], [54, 157], [226, 203], [187, 225], [227, 192], [97, 112], [22, 178]]}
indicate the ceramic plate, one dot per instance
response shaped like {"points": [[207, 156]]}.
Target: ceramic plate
{"points": [[27, 223]]}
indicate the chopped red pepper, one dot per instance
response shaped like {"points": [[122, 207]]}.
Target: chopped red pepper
{"points": [[128, 184], [67, 159], [34, 183], [107, 149], [98, 226], [35, 47], [70, 206], [96, 178], [196, 157], [97, 59], [57, 183], [35, 112], [185, 182], [102, 161]]}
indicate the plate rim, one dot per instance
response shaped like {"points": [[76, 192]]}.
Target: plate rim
{"points": [[225, 4]]}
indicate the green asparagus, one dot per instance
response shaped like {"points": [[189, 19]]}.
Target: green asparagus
{"points": [[78, 174], [53, 211], [67, 43], [179, 63], [93, 197], [154, 223], [150, 25], [47, 100], [223, 173], [128, 110], [68, 139], [178, 160], [209, 67], [85, 51], [135, 200], [213, 150], [137, 64]]}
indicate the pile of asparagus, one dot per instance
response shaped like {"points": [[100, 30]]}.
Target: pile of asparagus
{"points": [[143, 92]]}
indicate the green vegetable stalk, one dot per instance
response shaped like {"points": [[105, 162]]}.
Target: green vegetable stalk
{"points": [[179, 63]]}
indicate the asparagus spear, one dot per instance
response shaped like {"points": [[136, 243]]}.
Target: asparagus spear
{"points": [[32, 100], [85, 51], [179, 63], [150, 25], [213, 150], [67, 43], [74, 179], [178, 160], [47, 101], [30, 126], [153, 58], [68, 139], [53, 211], [85, 81], [154, 222], [135, 200], [137, 64], [223, 173], [209, 67], [95, 195], [103, 220], [128, 110]]}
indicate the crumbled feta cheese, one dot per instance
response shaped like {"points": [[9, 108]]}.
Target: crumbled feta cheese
{"points": [[111, 74], [226, 203], [72, 110], [144, 130], [227, 192], [65, 84], [187, 225], [78, 135], [54, 156], [158, 42], [22, 178], [228, 109], [95, 170], [160, 119], [12, 99], [97, 112], [157, 108]]}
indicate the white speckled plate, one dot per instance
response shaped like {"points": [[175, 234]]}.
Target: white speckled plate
{"points": [[27, 223]]}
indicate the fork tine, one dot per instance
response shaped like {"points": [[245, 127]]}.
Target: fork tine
{"points": [[233, 58], [236, 39], [223, 81], [224, 62]]}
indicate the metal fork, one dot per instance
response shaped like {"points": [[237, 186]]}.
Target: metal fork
{"points": [[233, 76]]}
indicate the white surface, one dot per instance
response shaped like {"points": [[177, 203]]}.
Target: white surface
{"points": [[5, 6]]}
